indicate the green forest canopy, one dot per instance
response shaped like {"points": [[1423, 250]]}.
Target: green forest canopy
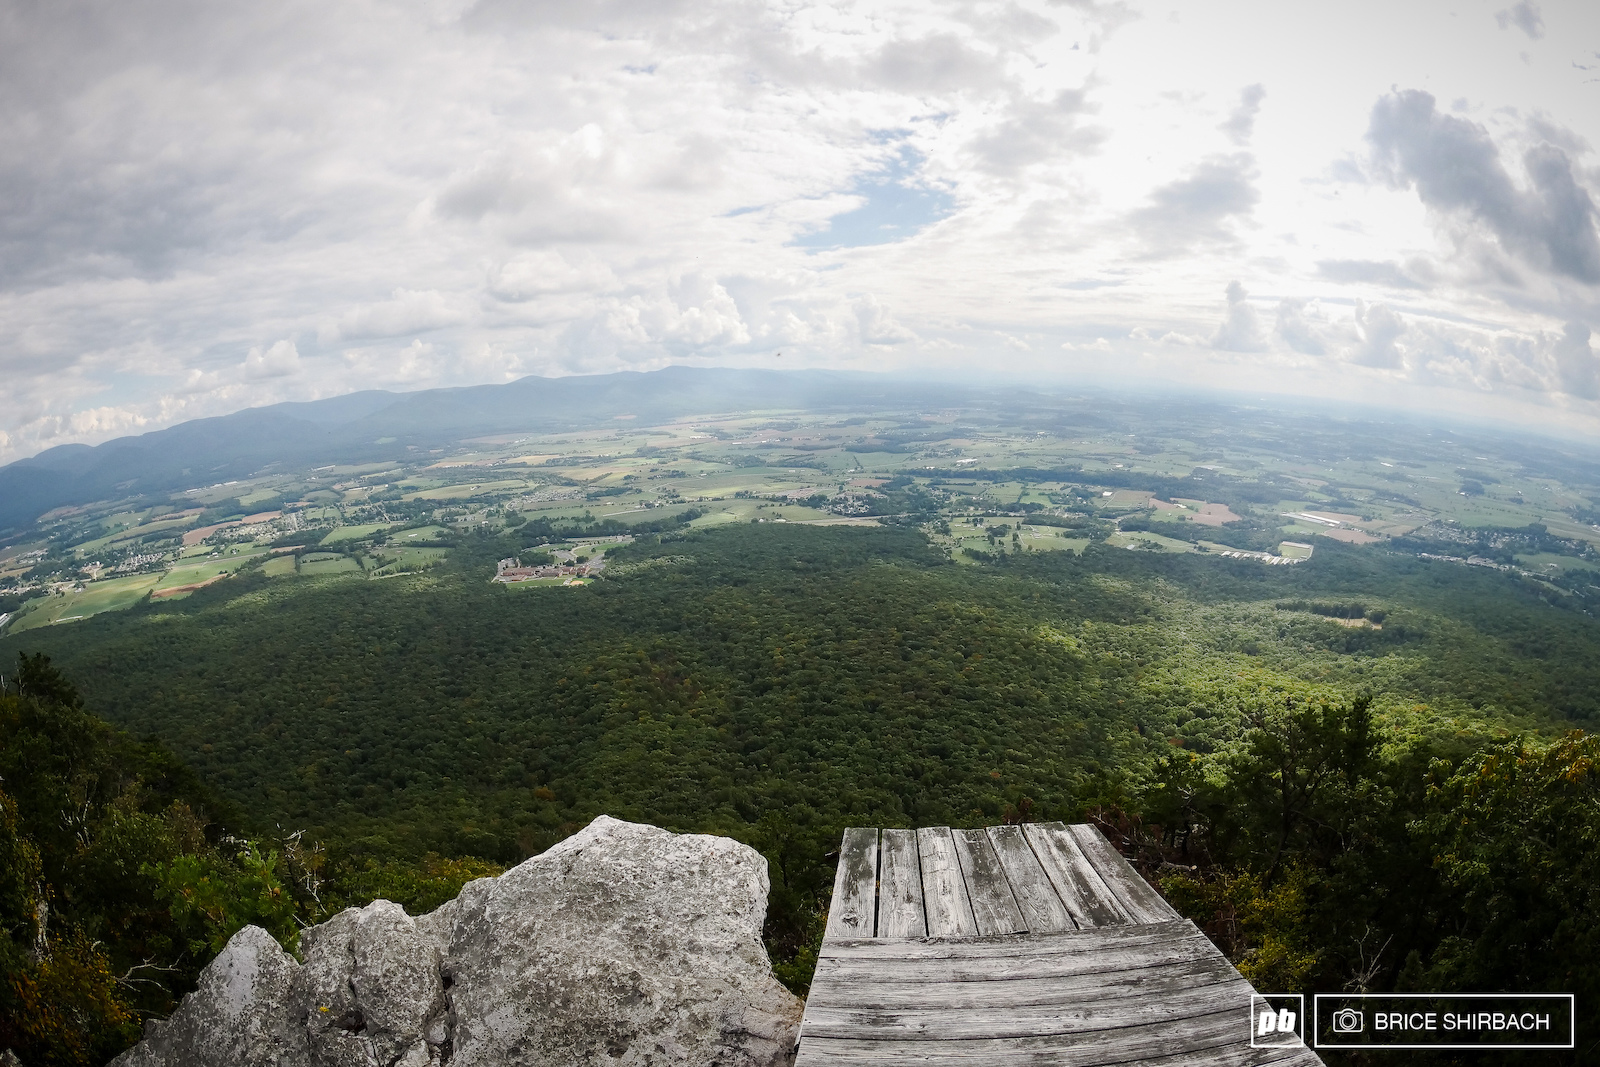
{"points": [[778, 682]]}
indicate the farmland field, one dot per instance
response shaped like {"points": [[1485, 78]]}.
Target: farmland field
{"points": [[112, 594]]}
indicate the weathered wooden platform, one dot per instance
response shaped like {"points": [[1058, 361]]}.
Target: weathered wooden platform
{"points": [[1034, 944]]}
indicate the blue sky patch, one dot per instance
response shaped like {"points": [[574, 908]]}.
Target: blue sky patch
{"points": [[898, 205]]}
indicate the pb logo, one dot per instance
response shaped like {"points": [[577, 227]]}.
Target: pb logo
{"points": [[1276, 1020], [1270, 1022]]}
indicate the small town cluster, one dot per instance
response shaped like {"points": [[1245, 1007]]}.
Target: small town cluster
{"points": [[512, 570]]}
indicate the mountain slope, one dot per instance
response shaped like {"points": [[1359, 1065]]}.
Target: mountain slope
{"points": [[376, 425]]}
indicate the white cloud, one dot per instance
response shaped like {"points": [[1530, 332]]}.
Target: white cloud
{"points": [[1525, 16], [1378, 332], [1547, 223], [1577, 368], [1241, 330], [407, 311], [544, 271], [878, 327], [415, 195], [279, 360], [1302, 326], [1241, 122], [1200, 207]]}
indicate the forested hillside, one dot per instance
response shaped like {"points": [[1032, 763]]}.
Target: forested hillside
{"points": [[122, 875], [829, 673], [778, 682]]}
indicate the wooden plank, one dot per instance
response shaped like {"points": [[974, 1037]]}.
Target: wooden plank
{"points": [[1041, 907], [1141, 902], [1081, 888], [900, 912], [833, 989], [1018, 968], [1181, 1013], [944, 890], [855, 886], [994, 906], [1217, 1041], [1091, 943]]}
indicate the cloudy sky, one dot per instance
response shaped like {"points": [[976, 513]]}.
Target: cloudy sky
{"points": [[206, 206]]}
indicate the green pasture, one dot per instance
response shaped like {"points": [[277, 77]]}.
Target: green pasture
{"points": [[744, 510], [398, 561], [111, 594], [324, 564], [471, 489], [1052, 539], [353, 533], [1550, 563], [423, 533], [126, 526], [201, 570], [1140, 539]]}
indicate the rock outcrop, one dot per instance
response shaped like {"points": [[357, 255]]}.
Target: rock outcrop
{"points": [[624, 945], [235, 1014]]}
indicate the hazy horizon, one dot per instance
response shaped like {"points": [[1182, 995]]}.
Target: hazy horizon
{"points": [[216, 209], [1119, 391]]}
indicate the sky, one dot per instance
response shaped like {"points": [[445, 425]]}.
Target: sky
{"points": [[206, 206]]}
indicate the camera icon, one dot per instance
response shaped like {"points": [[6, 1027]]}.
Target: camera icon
{"points": [[1348, 1021]]}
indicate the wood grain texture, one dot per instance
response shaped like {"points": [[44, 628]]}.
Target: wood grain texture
{"points": [[974, 958], [1085, 942], [994, 907], [900, 912], [1211, 1044], [1041, 907], [1054, 966], [855, 886], [840, 988], [1079, 885], [962, 1022], [944, 890], [1138, 899]]}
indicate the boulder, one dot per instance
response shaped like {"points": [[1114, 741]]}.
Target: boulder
{"points": [[370, 991], [624, 945], [234, 1018]]}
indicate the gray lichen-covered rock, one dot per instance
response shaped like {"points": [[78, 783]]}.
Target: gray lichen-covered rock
{"points": [[624, 945], [370, 991], [233, 1018]]}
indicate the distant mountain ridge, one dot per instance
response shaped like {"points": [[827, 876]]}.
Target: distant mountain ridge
{"points": [[374, 426]]}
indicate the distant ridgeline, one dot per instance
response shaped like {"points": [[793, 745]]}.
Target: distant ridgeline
{"points": [[375, 425]]}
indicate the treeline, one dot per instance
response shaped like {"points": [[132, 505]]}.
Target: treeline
{"points": [[544, 530], [1350, 610], [1200, 484], [1326, 854]]}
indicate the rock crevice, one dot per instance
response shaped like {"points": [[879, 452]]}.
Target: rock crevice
{"points": [[624, 945]]}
